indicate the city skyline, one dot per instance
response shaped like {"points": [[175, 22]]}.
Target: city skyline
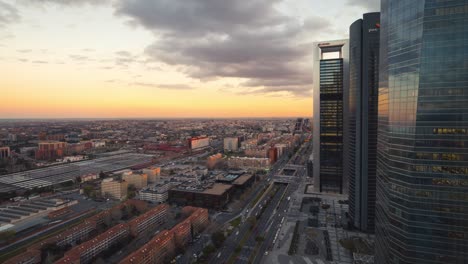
{"points": [[79, 59]]}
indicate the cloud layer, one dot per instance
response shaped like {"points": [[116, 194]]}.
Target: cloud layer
{"points": [[210, 39], [8, 14]]}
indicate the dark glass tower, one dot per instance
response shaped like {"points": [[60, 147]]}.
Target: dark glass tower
{"points": [[360, 120], [422, 165], [331, 75]]}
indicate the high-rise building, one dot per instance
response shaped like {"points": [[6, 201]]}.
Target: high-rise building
{"points": [[360, 120], [330, 80], [422, 162]]}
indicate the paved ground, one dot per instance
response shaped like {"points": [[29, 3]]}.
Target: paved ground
{"points": [[330, 221]]}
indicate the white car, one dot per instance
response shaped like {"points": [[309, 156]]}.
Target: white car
{"points": [[266, 253]]}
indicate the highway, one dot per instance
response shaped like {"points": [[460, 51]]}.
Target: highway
{"points": [[268, 222]]}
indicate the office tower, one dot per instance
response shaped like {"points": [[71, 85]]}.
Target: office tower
{"points": [[298, 127], [422, 163], [330, 79], [360, 120]]}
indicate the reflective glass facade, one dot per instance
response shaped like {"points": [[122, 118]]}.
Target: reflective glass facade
{"points": [[360, 120], [331, 125], [422, 165]]}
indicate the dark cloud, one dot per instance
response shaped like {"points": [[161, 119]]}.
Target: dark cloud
{"points": [[8, 14], [164, 86], [210, 39], [370, 5]]}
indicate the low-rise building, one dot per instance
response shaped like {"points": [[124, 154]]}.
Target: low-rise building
{"points": [[154, 173], [249, 163], [157, 193], [162, 248], [114, 189], [213, 160], [85, 252], [215, 195], [147, 221], [137, 180]]}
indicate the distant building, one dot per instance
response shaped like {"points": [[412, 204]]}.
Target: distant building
{"points": [[249, 163], [154, 173], [298, 127], [213, 160], [89, 177], [4, 152], [331, 76], [162, 248], [51, 150], [85, 252], [98, 143], [114, 189], [147, 221], [257, 152], [249, 143], [198, 142], [273, 155], [158, 193], [137, 180], [214, 196], [231, 144]]}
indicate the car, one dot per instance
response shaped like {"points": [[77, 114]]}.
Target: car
{"points": [[266, 253]]}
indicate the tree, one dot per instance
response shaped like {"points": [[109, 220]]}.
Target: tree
{"points": [[131, 191], [218, 238], [78, 179], [102, 175], [87, 190], [208, 250]]}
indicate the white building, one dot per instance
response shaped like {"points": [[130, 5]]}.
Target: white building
{"points": [[157, 193], [231, 144]]}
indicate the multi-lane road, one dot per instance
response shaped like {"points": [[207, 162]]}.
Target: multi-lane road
{"points": [[269, 220]]}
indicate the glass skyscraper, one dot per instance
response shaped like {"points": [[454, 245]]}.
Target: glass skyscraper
{"points": [[422, 165], [331, 78], [360, 120]]}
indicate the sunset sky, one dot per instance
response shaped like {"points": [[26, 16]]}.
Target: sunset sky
{"points": [[164, 58]]}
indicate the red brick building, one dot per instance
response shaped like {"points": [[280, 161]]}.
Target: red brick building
{"points": [[162, 247], [147, 221], [49, 150]]}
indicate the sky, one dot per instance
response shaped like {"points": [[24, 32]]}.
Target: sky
{"points": [[164, 58]]}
